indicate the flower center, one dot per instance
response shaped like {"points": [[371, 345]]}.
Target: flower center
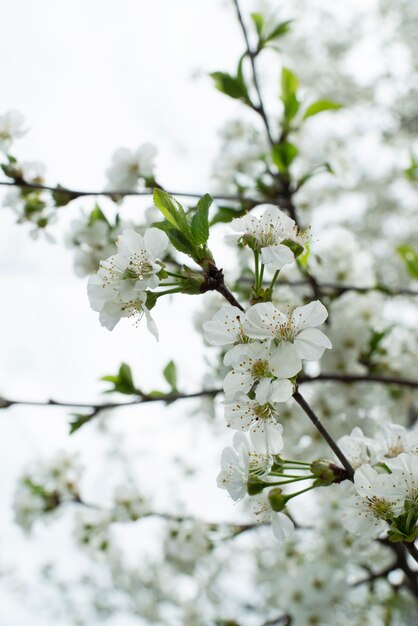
{"points": [[286, 330], [138, 268], [263, 411], [260, 369]]}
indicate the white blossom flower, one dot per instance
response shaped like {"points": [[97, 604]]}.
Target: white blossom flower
{"points": [[118, 289], [358, 448], [260, 419], [128, 167], [129, 504], [237, 463], [11, 128], [400, 487], [269, 231], [226, 327], [394, 439], [264, 321], [265, 364], [186, 543], [366, 511]]}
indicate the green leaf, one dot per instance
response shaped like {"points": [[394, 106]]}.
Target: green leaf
{"points": [[125, 376], [319, 169], [173, 212], [200, 220], [280, 30], [79, 421], [97, 215], [226, 214], [321, 105], [411, 172], [232, 86], [123, 381], [170, 374], [290, 85], [258, 21], [61, 196], [283, 155], [410, 257], [176, 237]]}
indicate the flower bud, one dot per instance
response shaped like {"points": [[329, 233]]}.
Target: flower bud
{"points": [[327, 472], [277, 500]]}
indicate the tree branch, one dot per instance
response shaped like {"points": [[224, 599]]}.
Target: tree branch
{"points": [[121, 192], [325, 434], [359, 378]]}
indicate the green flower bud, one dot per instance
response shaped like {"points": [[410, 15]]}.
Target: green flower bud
{"points": [[277, 500], [327, 472]]}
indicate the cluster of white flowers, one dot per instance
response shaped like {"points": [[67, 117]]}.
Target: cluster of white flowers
{"points": [[44, 486], [119, 289], [186, 543], [93, 240], [129, 167], [266, 348], [385, 492], [32, 206], [11, 128]]}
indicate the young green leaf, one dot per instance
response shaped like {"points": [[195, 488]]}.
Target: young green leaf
{"points": [[170, 374], [258, 21], [290, 85], [176, 237], [321, 105], [226, 214], [410, 257], [62, 197], [123, 381], [232, 86], [278, 31], [283, 155], [79, 420], [200, 220]]}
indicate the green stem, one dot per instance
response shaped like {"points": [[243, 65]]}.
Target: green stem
{"points": [[293, 480], [273, 281], [293, 495], [168, 291], [256, 271], [261, 275]]}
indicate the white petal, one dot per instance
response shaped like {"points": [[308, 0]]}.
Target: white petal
{"points": [[281, 391], [311, 344], [236, 382], [275, 257], [266, 437], [156, 241], [282, 526], [151, 325], [313, 314], [262, 320], [285, 361]]}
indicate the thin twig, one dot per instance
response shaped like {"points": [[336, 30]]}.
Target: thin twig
{"points": [[168, 398], [359, 378], [123, 192], [252, 55], [325, 434]]}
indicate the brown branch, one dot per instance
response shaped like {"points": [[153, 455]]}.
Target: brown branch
{"points": [[359, 378], [252, 56], [122, 192], [143, 399], [325, 434]]}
